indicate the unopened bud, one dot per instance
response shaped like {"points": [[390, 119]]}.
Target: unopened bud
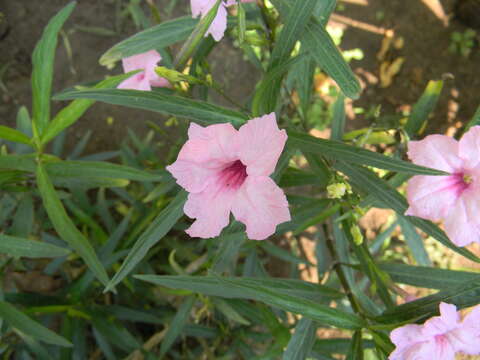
{"points": [[337, 190], [174, 76], [356, 234]]}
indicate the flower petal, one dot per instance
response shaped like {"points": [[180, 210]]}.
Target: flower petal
{"points": [[261, 205], [135, 82], [431, 197], [449, 314], [462, 225], [469, 147], [211, 208], [260, 143], [219, 24], [213, 144], [203, 156], [436, 151], [191, 176], [406, 335], [465, 339], [147, 60]]}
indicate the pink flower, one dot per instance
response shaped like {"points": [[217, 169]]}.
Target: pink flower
{"points": [[145, 79], [440, 338], [454, 198], [219, 23], [226, 170]]}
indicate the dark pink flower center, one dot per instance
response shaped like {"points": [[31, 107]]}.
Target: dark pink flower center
{"points": [[233, 175], [460, 182]]}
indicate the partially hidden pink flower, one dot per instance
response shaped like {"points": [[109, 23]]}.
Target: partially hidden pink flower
{"points": [[143, 80], [440, 338], [227, 170], [454, 198], [219, 24]]}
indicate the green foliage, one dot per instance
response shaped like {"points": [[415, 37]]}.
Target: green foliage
{"points": [[93, 250], [462, 43]]}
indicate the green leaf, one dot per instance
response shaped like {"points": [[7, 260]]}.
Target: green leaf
{"points": [[23, 323], [24, 217], [283, 294], [18, 162], [463, 295], [95, 169], [424, 106], [73, 111], [427, 277], [301, 343], [229, 246], [198, 111], [65, 227], [176, 326], [42, 75], [297, 177], [115, 332], [474, 121], [19, 247], [196, 37], [295, 23], [368, 182], [154, 233], [414, 242], [156, 37], [338, 118], [336, 150], [267, 94], [331, 60], [324, 10], [13, 135], [212, 286], [355, 352]]}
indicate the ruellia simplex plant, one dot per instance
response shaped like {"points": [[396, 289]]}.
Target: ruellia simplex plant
{"points": [[139, 280]]}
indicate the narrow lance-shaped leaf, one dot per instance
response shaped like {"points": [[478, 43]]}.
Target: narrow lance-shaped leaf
{"points": [[94, 169], [337, 150], [198, 111], [366, 181], [13, 135], [210, 285], [196, 37], [19, 247], [427, 277], [324, 51], [156, 37], [22, 322], [176, 326], [268, 91], [463, 295], [414, 241], [42, 75], [154, 233], [283, 294], [338, 118], [355, 352], [422, 109], [73, 111], [64, 225], [474, 121], [302, 340], [295, 23]]}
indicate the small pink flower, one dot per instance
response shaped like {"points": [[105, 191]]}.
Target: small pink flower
{"points": [[219, 23], [145, 79], [226, 170], [440, 338], [454, 198]]}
